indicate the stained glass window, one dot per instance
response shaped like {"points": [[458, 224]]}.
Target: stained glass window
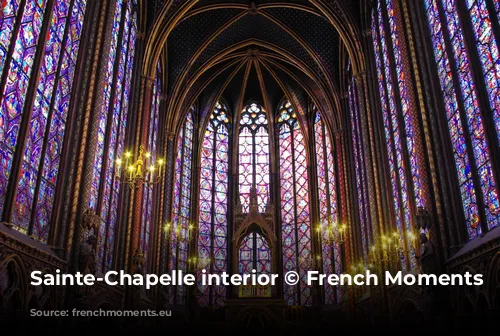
{"points": [[327, 199], [148, 203], [404, 102], [181, 204], [464, 115], [295, 215], [254, 254], [359, 168], [213, 202], [394, 134], [20, 26], [487, 49], [14, 94], [104, 193], [254, 156], [8, 20]]}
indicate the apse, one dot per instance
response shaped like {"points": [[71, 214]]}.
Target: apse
{"points": [[246, 139]]}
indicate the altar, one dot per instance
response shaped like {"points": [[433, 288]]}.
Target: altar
{"points": [[258, 291]]}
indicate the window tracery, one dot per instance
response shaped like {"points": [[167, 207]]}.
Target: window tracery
{"points": [[181, 229], [47, 110], [213, 203], [295, 213], [466, 123], [254, 156], [328, 205]]}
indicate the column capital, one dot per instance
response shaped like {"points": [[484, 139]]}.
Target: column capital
{"points": [[338, 132], [141, 35], [360, 75], [367, 33], [170, 135], [148, 81]]}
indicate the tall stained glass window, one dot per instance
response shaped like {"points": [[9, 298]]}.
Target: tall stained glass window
{"points": [[21, 23], [148, 203], [104, 192], [213, 202], [408, 134], [487, 49], [466, 124], [254, 254], [295, 213], [181, 205], [404, 171], [359, 169], [328, 210], [254, 156]]}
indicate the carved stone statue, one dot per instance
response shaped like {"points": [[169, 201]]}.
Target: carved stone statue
{"points": [[427, 255], [87, 258], [139, 261]]}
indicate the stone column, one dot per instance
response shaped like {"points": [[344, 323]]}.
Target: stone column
{"points": [[89, 102], [143, 119], [366, 124], [90, 79]]}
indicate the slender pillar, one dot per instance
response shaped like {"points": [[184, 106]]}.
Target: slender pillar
{"points": [[367, 144], [76, 120], [342, 196], [145, 104], [91, 99], [84, 112], [437, 233]]}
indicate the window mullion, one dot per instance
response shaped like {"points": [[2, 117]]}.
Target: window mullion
{"points": [[212, 219], [254, 165], [179, 209], [328, 193], [297, 258], [254, 250]]}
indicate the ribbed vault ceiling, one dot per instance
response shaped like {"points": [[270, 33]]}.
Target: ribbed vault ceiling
{"points": [[261, 51]]}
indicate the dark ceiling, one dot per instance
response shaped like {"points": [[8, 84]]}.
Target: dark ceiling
{"points": [[271, 48]]}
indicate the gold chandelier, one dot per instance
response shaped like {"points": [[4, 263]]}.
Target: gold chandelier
{"points": [[391, 248], [332, 232], [197, 264], [143, 170], [187, 236]]}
